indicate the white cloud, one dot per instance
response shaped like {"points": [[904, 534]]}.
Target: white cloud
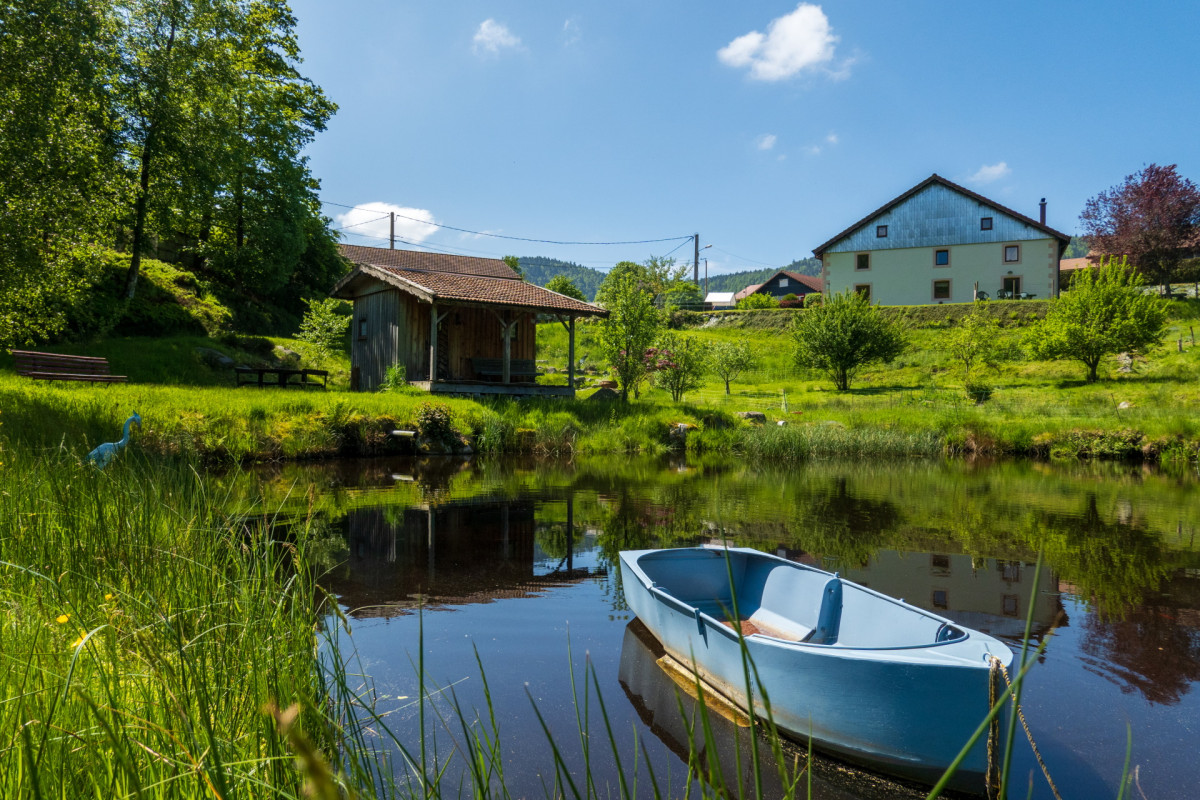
{"points": [[371, 219], [766, 141], [813, 149], [989, 174], [832, 138], [793, 43], [571, 33], [492, 37]]}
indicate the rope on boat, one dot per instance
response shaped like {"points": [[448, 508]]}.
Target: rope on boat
{"points": [[998, 664]]}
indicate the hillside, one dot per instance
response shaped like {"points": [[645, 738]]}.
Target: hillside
{"points": [[539, 270]]}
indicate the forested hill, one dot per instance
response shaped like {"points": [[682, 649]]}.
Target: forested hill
{"points": [[539, 270]]}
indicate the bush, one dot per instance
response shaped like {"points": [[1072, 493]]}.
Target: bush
{"points": [[395, 379], [325, 325], [434, 423], [843, 335], [813, 299], [789, 297], [757, 301]]}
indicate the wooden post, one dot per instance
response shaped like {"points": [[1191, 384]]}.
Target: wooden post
{"points": [[571, 355], [570, 528], [433, 321], [506, 328]]}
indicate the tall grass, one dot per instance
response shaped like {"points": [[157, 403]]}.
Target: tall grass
{"points": [[143, 632]]}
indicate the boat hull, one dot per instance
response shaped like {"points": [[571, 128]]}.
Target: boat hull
{"points": [[906, 710]]}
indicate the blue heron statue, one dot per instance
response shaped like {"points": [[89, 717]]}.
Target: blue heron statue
{"points": [[108, 451]]}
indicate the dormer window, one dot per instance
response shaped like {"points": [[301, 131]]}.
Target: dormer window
{"points": [[881, 231], [985, 223]]}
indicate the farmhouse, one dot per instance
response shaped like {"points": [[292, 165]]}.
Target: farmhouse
{"points": [[942, 243], [783, 283], [457, 324]]}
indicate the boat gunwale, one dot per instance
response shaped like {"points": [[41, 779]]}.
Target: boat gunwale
{"points": [[816, 647]]}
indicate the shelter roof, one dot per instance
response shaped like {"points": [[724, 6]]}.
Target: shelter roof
{"points": [[466, 280]]}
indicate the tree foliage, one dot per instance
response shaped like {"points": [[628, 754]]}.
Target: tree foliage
{"points": [[975, 342], [844, 334], [656, 276], [171, 128], [514, 264], [730, 359], [565, 286], [755, 301], [325, 325], [632, 325], [1153, 218], [677, 363], [1105, 313]]}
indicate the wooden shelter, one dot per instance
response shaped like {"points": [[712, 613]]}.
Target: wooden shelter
{"points": [[457, 324]]}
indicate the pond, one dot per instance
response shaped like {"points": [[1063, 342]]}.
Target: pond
{"points": [[513, 563]]}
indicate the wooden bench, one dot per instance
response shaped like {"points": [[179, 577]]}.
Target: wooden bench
{"points": [[57, 367], [494, 368], [253, 376]]}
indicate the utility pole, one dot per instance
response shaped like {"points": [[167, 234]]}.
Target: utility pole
{"points": [[696, 261], [392, 230]]}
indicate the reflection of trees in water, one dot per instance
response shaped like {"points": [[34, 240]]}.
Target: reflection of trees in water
{"points": [[1113, 564], [1153, 649], [837, 522]]}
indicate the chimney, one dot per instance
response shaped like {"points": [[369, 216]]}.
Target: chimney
{"points": [[1042, 216]]}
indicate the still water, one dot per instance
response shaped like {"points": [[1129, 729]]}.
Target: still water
{"points": [[513, 563]]}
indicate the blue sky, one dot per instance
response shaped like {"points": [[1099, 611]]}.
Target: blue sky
{"points": [[767, 127]]}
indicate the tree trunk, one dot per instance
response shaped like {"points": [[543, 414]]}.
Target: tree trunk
{"points": [[727, 386], [139, 224], [1093, 367]]}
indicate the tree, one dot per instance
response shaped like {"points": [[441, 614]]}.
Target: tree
{"points": [[975, 341], [60, 174], [683, 294], [843, 335], [1105, 313], [676, 363], [730, 359], [565, 286], [632, 325], [656, 276], [514, 264], [1153, 218]]}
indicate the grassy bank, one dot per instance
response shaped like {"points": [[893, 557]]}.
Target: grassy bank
{"points": [[914, 406], [143, 634]]}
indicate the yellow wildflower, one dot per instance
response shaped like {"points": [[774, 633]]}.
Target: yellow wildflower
{"points": [[63, 619], [108, 597], [78, 641]]}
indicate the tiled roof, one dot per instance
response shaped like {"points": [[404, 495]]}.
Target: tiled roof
{"points": [[935, 178], [811, 281], [427, 262], [749, 290], [455, 284], [1068, 264]]}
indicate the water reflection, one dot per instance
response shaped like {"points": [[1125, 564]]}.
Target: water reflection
{"points": [[1120, 586]]}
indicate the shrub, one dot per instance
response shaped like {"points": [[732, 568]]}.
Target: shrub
{"points": [[324, 325], [434, 423], [789, 297], [395, 379], [813, 299], [843, 335], [756, 301], [677, 364]]}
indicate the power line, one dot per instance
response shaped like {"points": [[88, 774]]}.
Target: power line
{"points": [[356, 224], [743, 258], [523, 238]]}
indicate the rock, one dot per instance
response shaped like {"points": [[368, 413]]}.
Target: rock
{"points": [[608, 384], [678, 433], [214, 358], [1125, 404], [604, 394], [752, 416], [286, 355], [715, 422], [551, 370]]}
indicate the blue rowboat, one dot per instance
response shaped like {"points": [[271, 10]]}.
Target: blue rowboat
{"points": [[869, 678]]}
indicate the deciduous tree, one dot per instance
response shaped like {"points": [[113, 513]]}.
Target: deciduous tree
{"points": [[730, 359], [1105, 313], [565, 286], [677, 363], [1153, 218], [843, 335], [632, 325]]}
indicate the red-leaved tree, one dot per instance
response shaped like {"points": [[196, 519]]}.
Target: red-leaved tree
{"points": [[1153, 218]]}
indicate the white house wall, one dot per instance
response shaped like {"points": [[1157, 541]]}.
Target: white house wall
{"points": [[906, 276]]}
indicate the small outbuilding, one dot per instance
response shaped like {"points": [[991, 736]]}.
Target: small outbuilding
{"points": [[783, 283], [457, 324], [719, 299]]}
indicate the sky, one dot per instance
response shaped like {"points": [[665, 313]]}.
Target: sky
{"points": [[764, 127]]}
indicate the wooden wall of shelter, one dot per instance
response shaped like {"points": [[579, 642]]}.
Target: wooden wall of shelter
{"points": [[393, 327]]}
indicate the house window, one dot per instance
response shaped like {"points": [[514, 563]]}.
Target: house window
{"points": [[941, 258], [985, 223], [1010, 604], [783, 281], [862, 261], [881, 231], [1011, 571], [941, 290], [939, 565], [864, 289], [362, 328], [941, 598], [1012, 253]]}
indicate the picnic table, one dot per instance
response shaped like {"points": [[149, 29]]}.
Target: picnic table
{"points": [[256, 376]]}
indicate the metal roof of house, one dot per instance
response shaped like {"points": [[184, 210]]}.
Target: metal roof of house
{"points": [[719, 297], [932, 180], [437, 277]]}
